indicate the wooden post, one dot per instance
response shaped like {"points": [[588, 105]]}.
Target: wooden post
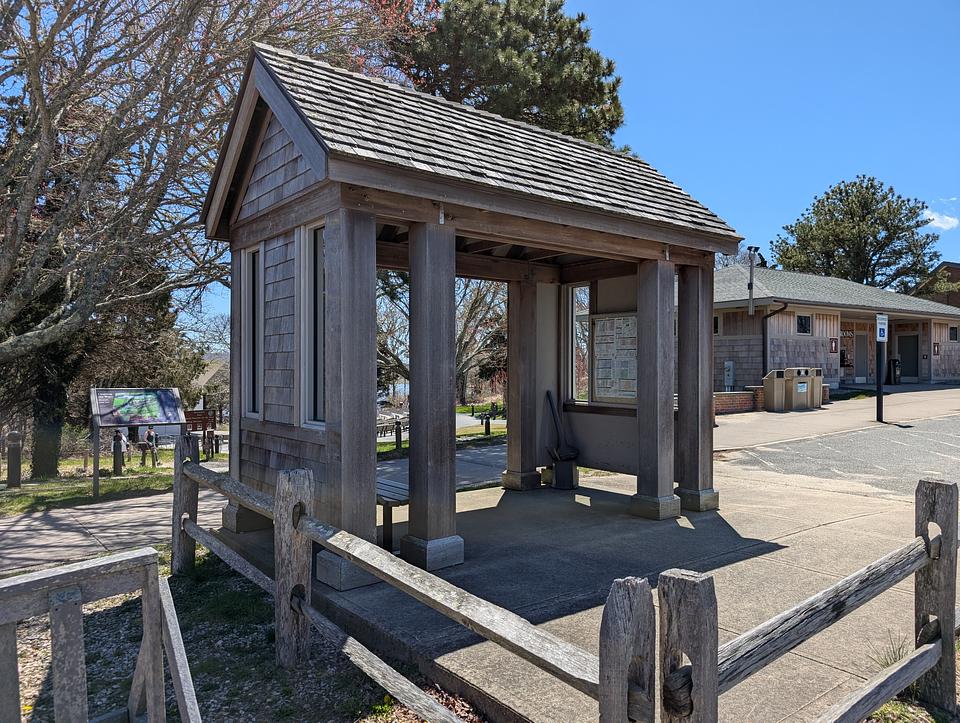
{"points": [[688, 627], [95, 444], [153, 644], [398, 434], [117, 454], [521, 472], [432, 541], [292, 553], [694, 437], [9, 673], [14, 459], [627, 652], [68, 665], [655, 371], [348, 493], [935, 595], [184, 553]]}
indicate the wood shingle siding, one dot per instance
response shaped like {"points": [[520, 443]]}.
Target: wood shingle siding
{"points": [[279, 172], [279, 344]]}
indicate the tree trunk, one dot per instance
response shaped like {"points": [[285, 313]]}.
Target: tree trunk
{"points": [[49, 406], [461, 389]]}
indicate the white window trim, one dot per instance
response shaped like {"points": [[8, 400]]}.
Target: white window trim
{"points": [[247, 344], [797, 324], [306, 256]]}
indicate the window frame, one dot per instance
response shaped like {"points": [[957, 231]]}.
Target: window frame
{"points": [[251, 321], [717, 324], [311, 345], [953, 333], [797, 324]]}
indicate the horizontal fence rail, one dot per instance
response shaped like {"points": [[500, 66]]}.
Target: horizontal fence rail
{"points": [[757, 648]]}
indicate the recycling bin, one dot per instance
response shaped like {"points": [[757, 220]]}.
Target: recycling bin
{"points": [[797, 388], [773, 391], [816, 388]]}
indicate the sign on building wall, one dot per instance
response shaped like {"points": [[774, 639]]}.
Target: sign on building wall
{"points": [[614, 341], [882, 327]]}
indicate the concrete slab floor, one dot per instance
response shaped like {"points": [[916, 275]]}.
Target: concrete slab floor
{"points": [[550, 556]]}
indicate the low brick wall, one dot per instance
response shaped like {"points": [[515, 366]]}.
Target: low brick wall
{"points": [[733, 402]]}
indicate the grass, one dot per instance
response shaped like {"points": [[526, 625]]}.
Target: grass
{"points": [[903, 708], [466, 437], [842, 396], [478, 408]]}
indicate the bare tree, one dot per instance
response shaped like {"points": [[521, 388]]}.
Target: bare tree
{"points": [[112, 115], [481, 306]]}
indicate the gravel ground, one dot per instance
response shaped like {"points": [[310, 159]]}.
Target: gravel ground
{"points": [[227, 626]]}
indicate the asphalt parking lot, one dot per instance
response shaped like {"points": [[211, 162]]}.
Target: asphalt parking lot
{"points": [[889, 458]]}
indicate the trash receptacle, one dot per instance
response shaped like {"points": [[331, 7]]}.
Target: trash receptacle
{"points": [[893, 371], [773, 389], [816, 388], [796, 393]]}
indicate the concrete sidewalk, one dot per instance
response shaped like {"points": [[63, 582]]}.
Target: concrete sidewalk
{"points": [[755, 429]]}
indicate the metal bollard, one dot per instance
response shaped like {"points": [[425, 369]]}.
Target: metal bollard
{"points": [[473, 410], [398, 433], [486, 424], [14, 440], [117, 454]]}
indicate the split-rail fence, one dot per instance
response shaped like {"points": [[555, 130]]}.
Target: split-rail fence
{"points": [[692, 669], [61, 592]]}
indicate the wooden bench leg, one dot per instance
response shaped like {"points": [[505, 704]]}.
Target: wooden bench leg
{"points": [[388, 528]]}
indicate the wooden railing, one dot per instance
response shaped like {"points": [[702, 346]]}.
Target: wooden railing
{"points": [[614, 677], [693, 669], [60, 592]]}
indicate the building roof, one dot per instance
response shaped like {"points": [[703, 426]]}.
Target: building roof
{"points": [[775, 285], [373, 120]]}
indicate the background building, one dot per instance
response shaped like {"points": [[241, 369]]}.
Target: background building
{"points": [[817, 321]]}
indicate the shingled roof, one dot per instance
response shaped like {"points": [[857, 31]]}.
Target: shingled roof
{"points": [[775, 285], [368, 119]]}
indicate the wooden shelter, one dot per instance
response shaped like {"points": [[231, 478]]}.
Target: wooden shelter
{"points": [[326, 175]]}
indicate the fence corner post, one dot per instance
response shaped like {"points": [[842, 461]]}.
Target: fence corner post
{"points": [[292, 565], [935, 594], [628, 653], [688, 647], [185, 492]]}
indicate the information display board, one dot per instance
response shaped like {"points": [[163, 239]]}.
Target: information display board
{"points": [[132, 407], [613, 339]]}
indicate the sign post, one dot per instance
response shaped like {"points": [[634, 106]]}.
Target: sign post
{"points": [[112, 408], [882, 322]]}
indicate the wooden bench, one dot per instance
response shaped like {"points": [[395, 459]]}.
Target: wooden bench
{"points": [[390, 493]]}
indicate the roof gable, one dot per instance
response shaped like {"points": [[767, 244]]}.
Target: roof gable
{"points": [[370, 120], [278, 172]]}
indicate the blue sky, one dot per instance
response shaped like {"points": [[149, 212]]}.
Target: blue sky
{"points": [[756, 106]]}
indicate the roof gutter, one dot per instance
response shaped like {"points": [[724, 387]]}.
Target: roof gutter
{"points": [[763, 325]]}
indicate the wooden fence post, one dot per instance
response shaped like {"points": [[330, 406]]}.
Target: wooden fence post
{"points": [[292, 565], [688, 647], [67, 662], [185, 492], [935, 595], [627, 652]]}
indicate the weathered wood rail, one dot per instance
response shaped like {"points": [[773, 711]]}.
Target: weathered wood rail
{"points": [[60, 592], [694, 669], [621, 678]]}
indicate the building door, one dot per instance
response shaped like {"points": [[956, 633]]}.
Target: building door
{"points": [[909, 348], [860, 359]]}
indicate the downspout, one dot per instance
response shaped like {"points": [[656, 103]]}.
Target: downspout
{"points": [[763, 326]]}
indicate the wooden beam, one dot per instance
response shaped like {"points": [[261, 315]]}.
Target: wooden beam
{"points": [[594, 270], [521, 472], [577, 221], [432, 542], [655, 373], [395, 256], [306, 207], [540, 255], [473, 247], [694, 440]]}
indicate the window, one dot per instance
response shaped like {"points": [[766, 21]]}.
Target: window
{"points": [[804, 324], [252, 335], [580, 342], [716, 325], [953, 334], [313, 296]]}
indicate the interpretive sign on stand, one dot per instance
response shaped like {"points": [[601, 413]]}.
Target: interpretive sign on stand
{"points": [[130, 408], [614, 372]]}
